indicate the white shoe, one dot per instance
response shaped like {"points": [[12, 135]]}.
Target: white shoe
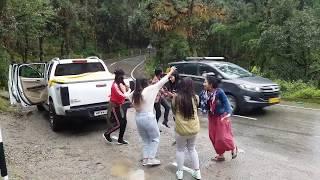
{"points": [[122, 142], [153, 162], [196, 174], [144, 162], [179, 174]]}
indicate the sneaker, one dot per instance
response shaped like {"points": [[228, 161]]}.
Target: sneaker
{"points": [[120, 142], [166, 125], [107, 138], [179, 174], [144, 162], [153, 162], [196, 174]]}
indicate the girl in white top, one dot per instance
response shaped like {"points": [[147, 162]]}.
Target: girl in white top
{"points": [[143, 98]]}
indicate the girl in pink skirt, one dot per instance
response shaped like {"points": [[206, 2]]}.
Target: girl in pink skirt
{"points": [[219, 112]]}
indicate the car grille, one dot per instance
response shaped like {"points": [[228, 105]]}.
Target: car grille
{"points": [[270, 91]]}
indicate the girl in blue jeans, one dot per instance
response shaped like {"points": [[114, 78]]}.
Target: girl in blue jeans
{"points": [[143, 98]]}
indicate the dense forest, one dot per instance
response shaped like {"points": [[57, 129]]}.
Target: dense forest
{"points": [[277, 38]]}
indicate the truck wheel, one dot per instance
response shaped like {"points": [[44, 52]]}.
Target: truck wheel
{"points": [[233, 103], [40, 108], [54, 119]]}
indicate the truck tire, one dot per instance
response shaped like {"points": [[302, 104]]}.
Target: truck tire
{"points": [[54, 119], [40, 108]]}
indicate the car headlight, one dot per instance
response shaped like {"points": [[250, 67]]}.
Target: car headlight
{"points": [[250, 88]]}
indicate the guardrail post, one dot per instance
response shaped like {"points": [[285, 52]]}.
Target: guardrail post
{"points": [[3, 166]]}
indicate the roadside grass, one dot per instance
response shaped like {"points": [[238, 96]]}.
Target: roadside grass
{"points": [[302, 101], [299, 91], [4, 105]]}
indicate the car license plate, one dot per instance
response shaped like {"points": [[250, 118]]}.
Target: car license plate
{"points": [[99, 113], [274, 100]]}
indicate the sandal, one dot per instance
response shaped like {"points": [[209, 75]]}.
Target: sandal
{"points": [[234, 154], [218, 159]]}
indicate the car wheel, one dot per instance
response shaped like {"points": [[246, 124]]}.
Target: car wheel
{"points": [[54, 119], [259, 109], [233, 103], [40, 108]]}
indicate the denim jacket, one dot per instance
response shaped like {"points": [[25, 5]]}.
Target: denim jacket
{"points": [[221, 101]]}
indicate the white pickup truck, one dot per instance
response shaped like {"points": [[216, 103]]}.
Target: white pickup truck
{"points": [[64, 87]]}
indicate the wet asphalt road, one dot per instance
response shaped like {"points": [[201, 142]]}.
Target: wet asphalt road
{"points": [[282, 143], [134, 64]]}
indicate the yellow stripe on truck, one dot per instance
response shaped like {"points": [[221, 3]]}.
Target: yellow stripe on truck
{"points": [[80, 77]]}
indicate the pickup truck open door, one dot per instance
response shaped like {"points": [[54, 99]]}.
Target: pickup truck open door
{"points": [[27, 84]]}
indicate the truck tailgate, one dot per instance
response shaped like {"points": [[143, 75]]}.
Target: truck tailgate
{"points": [[92, 92]]}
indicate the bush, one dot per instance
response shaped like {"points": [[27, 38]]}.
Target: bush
{"points": [[4, 105], [150, 66], [295, 90], [176, 48], [298, 90], [308, 93], [4, 64]]}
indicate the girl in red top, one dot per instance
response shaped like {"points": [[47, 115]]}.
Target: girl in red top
{"points": [[117, 107]]}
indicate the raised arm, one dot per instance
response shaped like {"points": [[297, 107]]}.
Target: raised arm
{"points": [[165, 79]]}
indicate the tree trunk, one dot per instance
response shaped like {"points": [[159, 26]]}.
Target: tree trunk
{"points": [[3, 4], [67, 42], [191, 8], [84, 42], [41, 48], [26, 48], [62, 49], [262, 65], [301, 5], [128, 34], [306, 65], [189, 28], [98, 4], [160, 51]]}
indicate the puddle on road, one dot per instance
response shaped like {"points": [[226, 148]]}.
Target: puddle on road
{"points": [[137, 175], [124, 169], [120, 169]]}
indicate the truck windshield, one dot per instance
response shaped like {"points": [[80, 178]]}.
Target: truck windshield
{"points": [[78, 68], [232, 71]]}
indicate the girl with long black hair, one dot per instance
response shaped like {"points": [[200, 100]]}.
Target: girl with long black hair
{"points": [[143, 99], [117, 108], [187, 125]]}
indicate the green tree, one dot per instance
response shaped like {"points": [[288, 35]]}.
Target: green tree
{"points": [[31, 18], [185, 19]]}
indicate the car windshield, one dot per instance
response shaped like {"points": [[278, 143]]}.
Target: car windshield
{"points": [[78, 68], [232, 71]]}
